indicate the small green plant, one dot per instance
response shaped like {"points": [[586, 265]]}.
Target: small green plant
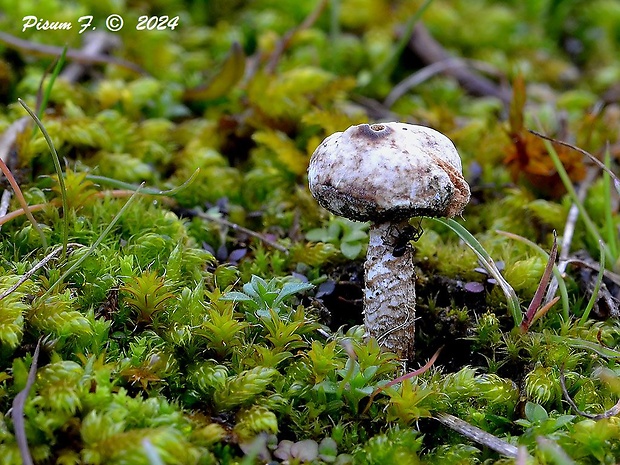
{"points": [[243, 388], [395, 446], [261, 297], [349, 235], [79, 191], [147, 295], [203, 359], [489, 264], [411, 402], [12, 309], [221, 329], [537, 422]]}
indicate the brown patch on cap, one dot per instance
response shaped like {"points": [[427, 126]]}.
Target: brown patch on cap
{"points": [[373, 132], [461, 194]]}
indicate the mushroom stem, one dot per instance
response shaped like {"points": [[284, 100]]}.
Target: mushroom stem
{"points": [[389, 295]]}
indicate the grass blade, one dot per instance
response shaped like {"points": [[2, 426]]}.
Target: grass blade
{"points": [[146, 190], [542, 285], [389, 63], [610, 227], [92, 248], [42, 100], [589, 224], [593, 159], [597, 286], [576, 343], [61, 180], [488, 263], [556, 271]]}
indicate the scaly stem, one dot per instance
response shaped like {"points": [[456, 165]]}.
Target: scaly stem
{"points": [[389, 296]]}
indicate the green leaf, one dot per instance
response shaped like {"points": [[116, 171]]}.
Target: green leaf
{"points": [[535, 413], [319, 235], [290, 289], [583, 344], [351, 250], [237, 297], [221, 83]]}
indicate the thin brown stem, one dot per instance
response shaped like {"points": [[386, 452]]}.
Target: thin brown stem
{"points": [[72, 54], [9, 137], [96, 44], [22, 201], [237, 227], [615, 410], [400, 379], [591, 157], [430, 51]]}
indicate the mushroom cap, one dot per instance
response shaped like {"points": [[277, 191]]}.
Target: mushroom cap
{"points": [[388, 171]]}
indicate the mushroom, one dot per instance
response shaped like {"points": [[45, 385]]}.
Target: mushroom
{"points": [[387, 173]]}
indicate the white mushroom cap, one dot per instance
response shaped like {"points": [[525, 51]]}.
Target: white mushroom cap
{"points": [[388, 171]]}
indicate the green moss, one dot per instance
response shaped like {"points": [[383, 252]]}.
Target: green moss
{"points": [[156, 350]]}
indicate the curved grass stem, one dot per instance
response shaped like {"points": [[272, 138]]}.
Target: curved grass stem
{"points": [[92, 248], [556, 271], [61, 180], [568, 184], [485, 259], [597, 287]]}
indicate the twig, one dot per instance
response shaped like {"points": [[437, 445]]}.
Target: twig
{"points": [[22, 200], [237, 227], [36, 267], [430, 51], [96, 43], [419, 77], [591, 157], [615, 410], [376, 110], [17, 412], [477, 435], [20, 211], [444, 66], [284, 43], [613, 277], [72, 54]]}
